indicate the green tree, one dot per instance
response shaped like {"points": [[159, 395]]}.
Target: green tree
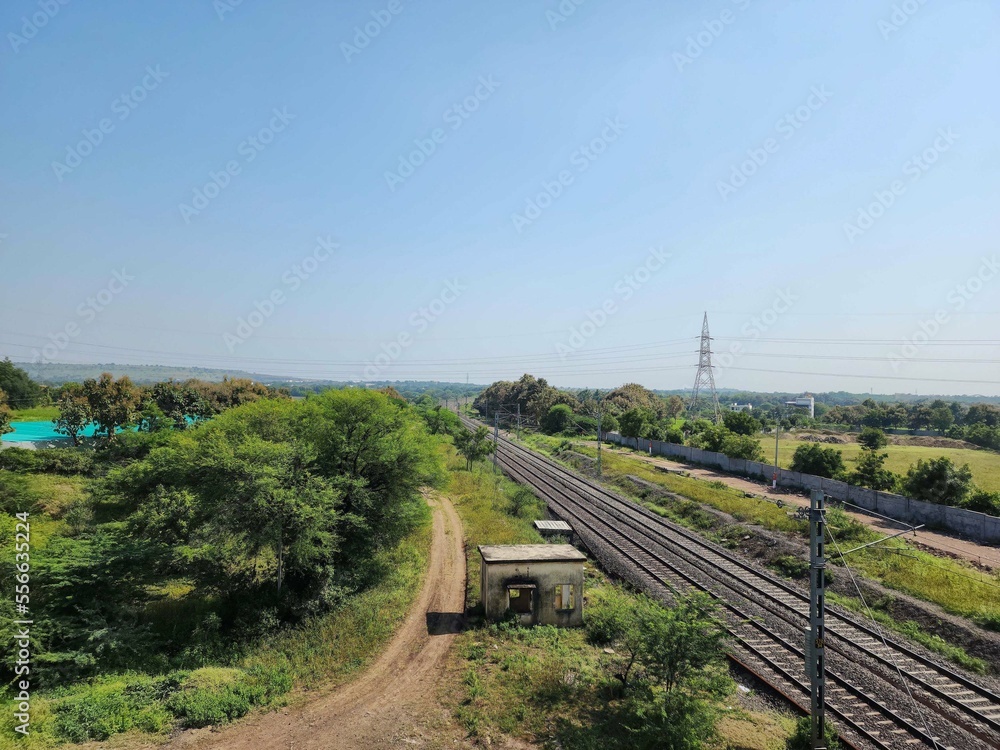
{"points": [[740, 422], [609, 423], [743, 446], [558, 419], [114, 404], [812, 458], [74, 412], [633, 423], [871, 472], [5, 414], [675, 407], [872, 439], [942, 417], [668, 662], [474, 446], [938, 480], [22, 392]]}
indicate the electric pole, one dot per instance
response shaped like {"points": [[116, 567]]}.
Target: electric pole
{"points": [[496, 437], [816, 635], [599, 442], [705, 377], [518, 420]]}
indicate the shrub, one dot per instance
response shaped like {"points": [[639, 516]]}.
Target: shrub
{"points": [[558, 419], [812, 458], [938, 480], [802, 739], [114, 705], [984, 502], [214, 695], [49, 460], [871, 472], [17, 495]]}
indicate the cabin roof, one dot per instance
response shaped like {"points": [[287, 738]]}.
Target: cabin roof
{"points": [[530, 553]]}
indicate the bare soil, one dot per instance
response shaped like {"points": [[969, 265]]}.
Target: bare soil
{"points": [[395, 703]]}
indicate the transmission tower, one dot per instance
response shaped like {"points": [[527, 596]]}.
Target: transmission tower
{"points": [[705, 377]]}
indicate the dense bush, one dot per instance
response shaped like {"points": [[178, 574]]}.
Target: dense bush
{"points": [[938, 480], [48, 460], [558, 419], [812, 458]]}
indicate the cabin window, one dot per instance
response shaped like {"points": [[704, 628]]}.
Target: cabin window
{"points": [[565, 598], [519, 600]]}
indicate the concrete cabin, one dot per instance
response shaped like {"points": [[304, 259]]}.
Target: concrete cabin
{"points": [[542, 583]]}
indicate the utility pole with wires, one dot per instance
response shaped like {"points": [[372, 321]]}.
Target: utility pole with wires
{"points": [[816, 634], [705, 377], [496, 437], [518, 420], [600, 411]]}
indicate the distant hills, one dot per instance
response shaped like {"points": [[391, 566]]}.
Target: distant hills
{"points": [[57, 374]]}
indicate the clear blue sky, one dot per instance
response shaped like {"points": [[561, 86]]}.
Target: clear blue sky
{"points": [[692, 91]]}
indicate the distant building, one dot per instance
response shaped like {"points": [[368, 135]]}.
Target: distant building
{"points": [[541, 583], [741, 407], [805, 402]]}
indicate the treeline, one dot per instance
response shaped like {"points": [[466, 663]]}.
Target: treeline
{"points": [[977, 423], [936, 480], [190, 545], [116, 405], [631, 409]]}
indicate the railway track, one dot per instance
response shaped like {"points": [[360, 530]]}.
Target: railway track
{"points": [[881, 693]]}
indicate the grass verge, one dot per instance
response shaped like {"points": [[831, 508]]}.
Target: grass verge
{"points": [[35, 414], [546, 684], [955, 585]]}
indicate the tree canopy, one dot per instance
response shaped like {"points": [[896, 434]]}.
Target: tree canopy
{"points": [[22, 392]]}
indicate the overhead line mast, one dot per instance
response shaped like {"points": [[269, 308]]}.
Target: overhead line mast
{"points": [[705, 377]]}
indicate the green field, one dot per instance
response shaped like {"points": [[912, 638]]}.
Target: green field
{"points": [[985, 464], [35, 414]]}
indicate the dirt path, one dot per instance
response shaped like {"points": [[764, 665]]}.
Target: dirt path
{"points": [[395, 703], [982, 555]]}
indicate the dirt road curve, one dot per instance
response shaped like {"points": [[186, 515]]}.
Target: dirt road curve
{"points": [[395, 704]]}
